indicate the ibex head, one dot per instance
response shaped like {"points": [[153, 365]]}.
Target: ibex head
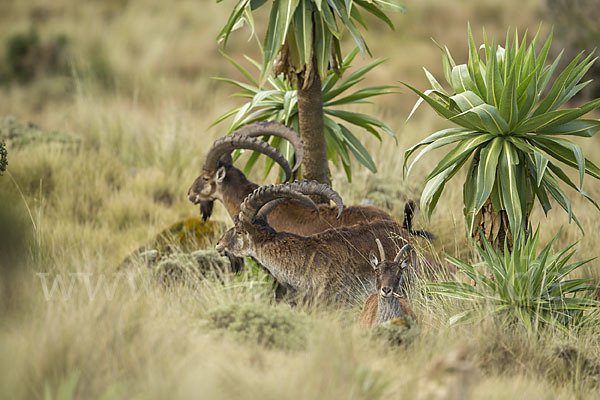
{"points": [[241, 239], [218, 169], [236, 241], [391, 276]]}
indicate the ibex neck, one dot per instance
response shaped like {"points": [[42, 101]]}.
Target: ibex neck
{"points": [[235, 192], [389, 308]]}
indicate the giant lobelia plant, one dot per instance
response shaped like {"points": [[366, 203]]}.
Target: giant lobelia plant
{"points": [[277, 101], [512, 134], [303, 42]]}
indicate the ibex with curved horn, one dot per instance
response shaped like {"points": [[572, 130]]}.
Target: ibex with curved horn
{"points": [[220, 180], [332, 263], [388, 302]]}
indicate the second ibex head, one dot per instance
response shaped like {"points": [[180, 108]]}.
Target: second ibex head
{"points": [[241, 239]]}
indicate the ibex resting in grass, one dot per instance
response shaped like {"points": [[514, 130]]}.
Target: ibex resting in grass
{"points": [[387, 303], [332, 264], [220, 180]]}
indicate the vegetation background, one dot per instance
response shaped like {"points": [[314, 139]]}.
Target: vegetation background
{"points": [[105, 107]]}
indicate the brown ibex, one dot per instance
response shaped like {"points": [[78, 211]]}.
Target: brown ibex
{"points": [[332, 263], [388, 302], [220, 180]]}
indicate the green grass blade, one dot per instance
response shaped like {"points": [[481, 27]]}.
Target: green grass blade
{"points": [[564, 146], [486, 172], [304, 31], [322, 45], [582, 127], [565, 178], [508, 101], [508, 182], [272, 42], [435, 186], [390, 5], [233, 19], [467, 100], [550, 102], [462, 150], [462, 81], [372, 9], [493, 78], [565, 155], [359, 151], [488, 117]]}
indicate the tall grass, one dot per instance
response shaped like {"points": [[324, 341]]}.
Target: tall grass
{"points": [[138, 100]]}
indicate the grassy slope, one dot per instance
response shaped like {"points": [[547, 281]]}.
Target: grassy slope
{"points": [[143, 138]]}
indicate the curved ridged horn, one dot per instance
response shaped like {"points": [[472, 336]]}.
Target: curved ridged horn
{"points": [[319, 189], [270, 206], [227, 144], [264, 194], [272, 128], [403, 250], [380, 247]]}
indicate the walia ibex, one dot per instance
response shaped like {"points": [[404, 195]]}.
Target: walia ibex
{"points": [[387, 303], [220, 180], [332, 264]]}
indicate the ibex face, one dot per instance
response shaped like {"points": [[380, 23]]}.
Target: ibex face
{"points": [[391, 276], [208, 187], [203, 189], [202, 192], [387, 303], [236, 241]]}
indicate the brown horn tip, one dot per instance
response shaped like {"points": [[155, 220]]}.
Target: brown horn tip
{"points": [[402, 251], [381, 251], [320, 189]]}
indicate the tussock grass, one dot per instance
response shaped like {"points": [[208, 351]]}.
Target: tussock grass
{"points": [[137, 102]]}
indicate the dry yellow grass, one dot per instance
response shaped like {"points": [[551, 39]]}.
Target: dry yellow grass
{"points": [[142, 138]]}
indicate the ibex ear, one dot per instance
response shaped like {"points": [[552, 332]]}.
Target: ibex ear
{"points": [[408, 260], [373, 259], [404, 264], [220, 175]]}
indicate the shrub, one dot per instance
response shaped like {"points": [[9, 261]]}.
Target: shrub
{"points": [[526, 286], [3, 157], [27, 56], [20, 134], [272, 327], [397, 331], [180, 250]]}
